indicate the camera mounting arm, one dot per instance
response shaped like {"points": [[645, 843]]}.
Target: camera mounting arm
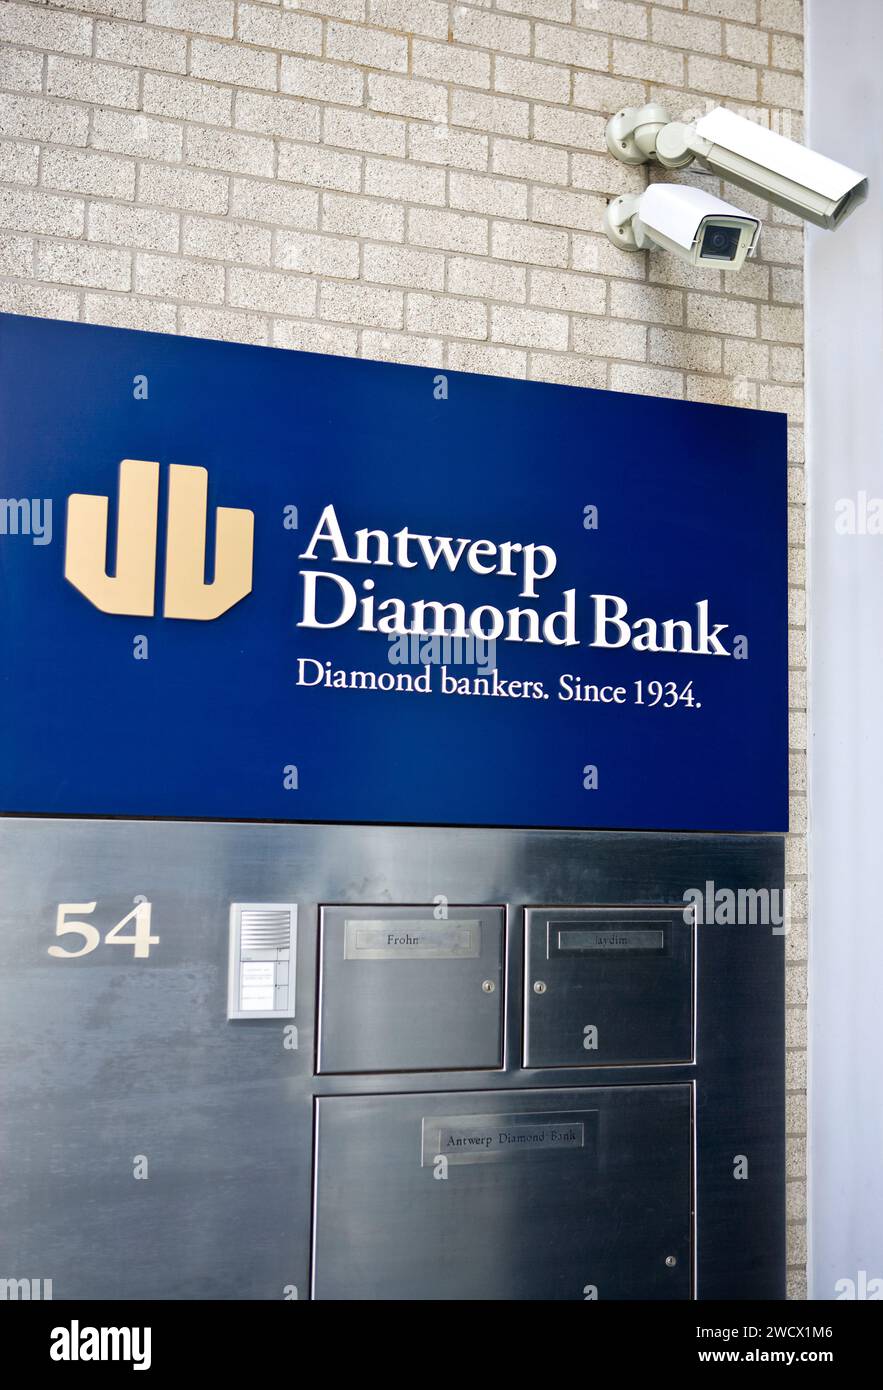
{"points": [[647, 134]]}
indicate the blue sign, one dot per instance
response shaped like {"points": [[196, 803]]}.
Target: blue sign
{"points": [[246, 583]]}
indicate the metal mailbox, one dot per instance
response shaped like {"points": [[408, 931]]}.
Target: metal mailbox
{"points": [[545, 1194], [402, 990], [608, 986]]}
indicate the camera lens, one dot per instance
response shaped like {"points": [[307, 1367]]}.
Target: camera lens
{"points": [[720, 243]]}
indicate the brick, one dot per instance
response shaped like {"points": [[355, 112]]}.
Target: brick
{"points": [[320, 168], [787, 52], [499, 114], [404, 96], [787, 286], [200, 16], [450, 231], [786, 363], [441, 144], [646, 381], [84, 80], [16, 254], [568, 290], [723, 78], [600, 93], [288, 31], [573, 46], [305, 77], [385, 346], [127, 311], [368, 305], [399, 265], [189, 189], [782, 89], [37, 119], [45, 29], [22, 71], [781, 325], [172, 277], [221, 149], [751, 45], [39, 301], [721, 314], [605, 175], [232, 62], [560, 127], [543, 9], [315, 337], [187, 99], [647, 62], [140, 47], [226, 324], [529, 327], [643, 302], [787, 399], [525, 78], [121, 9], [719, 390], [81, 171], [567, 369], [45, 214], [370, 48], [479, 193], [499, 32], [581, 210], [146, 228], [444, 63], [362, 130], [19, 162], [224, 239], [745, 11], [782, 14], [524, 159], [272, 291], [691, 32], [691, 351], [783, 244], [73, 263], [274, 203], [438, 313], [534, 245], [743, 358], [595, 253], [130, 132], [612, 17], [486, 359], [370, 217], [275, 115], [317, 255], [606, 338], [428, 17], [751, 282], [663, 269], [487, 279], [405, 181]]}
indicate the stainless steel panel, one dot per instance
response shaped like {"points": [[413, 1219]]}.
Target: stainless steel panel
{"points": [[608, 985], [603, 1211], [402, 991]]}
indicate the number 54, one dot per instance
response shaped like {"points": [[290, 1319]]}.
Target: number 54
{"points": [[139, 939]]}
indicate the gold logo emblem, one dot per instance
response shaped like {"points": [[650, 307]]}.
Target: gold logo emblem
{"points": [[131, 588]]}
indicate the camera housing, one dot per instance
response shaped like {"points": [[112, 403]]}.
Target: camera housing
{"points": [[694, 225], [785, 173]]}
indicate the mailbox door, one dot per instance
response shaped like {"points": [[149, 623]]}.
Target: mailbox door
{"points": [[565, 1194], [404, 991], [608, 986]]}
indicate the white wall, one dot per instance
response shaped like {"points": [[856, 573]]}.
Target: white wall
{"points": [[845, 438]]}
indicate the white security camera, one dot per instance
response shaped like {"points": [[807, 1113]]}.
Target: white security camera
{"points": [[697, 227], [782, 171]]}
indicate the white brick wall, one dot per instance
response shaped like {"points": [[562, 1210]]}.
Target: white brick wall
{"points": [[414, 180]]}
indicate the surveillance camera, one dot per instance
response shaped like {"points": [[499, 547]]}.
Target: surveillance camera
{"points": [[694, 225], [787, 174]]}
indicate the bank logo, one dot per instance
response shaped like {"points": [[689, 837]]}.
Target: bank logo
{"points": [[132, 586]]}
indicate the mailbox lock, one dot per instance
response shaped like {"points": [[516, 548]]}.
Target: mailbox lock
{"points": [[539, 986], [488, 986], [671, 1261]]}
